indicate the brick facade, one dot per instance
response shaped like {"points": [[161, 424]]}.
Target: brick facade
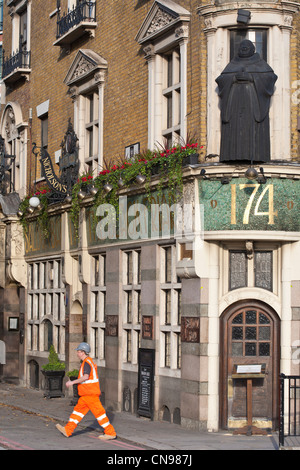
{"points": [[193, 389]]}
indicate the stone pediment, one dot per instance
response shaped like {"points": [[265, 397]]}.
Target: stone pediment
{"points": [[85, 64], [163, 15]]}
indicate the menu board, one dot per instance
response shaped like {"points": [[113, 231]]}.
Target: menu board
{"points": [[146, 382]]}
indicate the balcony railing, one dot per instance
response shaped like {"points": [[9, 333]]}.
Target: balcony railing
{"points": [[19, 62], [289, 429], [84, 12]]}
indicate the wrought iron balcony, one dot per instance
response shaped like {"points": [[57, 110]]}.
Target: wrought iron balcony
{"points": [[79, 20], [16, 66]]}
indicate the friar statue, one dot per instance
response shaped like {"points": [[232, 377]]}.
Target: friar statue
{"points": [[245, 89]]}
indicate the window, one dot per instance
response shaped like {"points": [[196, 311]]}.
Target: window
{"points": [[131, 305], [23, 30], [85, 79], [251, 334], [98, 306], [92, 132], [170, 314], [44, 131], [42, 111], [254, 270], [46, 307], [238, 269], [257, 36], [171, 98], [164, 36], [18, 63]]}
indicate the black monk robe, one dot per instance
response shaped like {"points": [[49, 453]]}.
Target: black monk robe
{"points": [[245, 89]]}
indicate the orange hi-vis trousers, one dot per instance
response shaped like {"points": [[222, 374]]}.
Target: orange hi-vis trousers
{"points": [[89, 403]]}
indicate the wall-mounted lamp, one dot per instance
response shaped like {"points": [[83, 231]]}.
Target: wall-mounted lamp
{"points": [[81, 194], [68, 199], [203, 174], [140, 179], [108, 187], [225, 180], [121, 183], [261, 178], [93, 190], [252, 174], [34, 201], [211, 155], [243, 16]]}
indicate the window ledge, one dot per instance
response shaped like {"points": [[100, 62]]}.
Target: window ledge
{"points": [[16, 75], [75, 33]]}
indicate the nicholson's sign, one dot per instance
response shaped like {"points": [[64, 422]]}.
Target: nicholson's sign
{"points": [[49, 173]]}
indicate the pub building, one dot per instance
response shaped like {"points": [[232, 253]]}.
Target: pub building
{"points": [[178, 320]]}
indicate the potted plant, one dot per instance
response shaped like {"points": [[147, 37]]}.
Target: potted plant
{"points": [[54, 372], [73, 375]]}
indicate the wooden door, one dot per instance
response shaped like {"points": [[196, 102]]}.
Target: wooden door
{"points": [[249, 335]]}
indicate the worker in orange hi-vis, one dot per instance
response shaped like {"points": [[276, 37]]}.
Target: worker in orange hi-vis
{"points": [[89, 393]]}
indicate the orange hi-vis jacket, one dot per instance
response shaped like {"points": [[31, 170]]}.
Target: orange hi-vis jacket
{"points": [[90, 386]]}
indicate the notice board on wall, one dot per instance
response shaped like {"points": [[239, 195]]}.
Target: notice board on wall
{"points": [[146, 382]]}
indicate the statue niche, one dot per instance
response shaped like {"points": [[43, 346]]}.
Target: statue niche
{"points": [[245, 89]]}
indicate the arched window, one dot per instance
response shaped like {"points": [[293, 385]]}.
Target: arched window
{"points": [[48, 334], [14, 133]]}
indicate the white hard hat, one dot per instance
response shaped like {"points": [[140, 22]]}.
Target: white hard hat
{"points": [[83, 347]]}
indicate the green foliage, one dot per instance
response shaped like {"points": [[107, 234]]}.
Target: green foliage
{"points": [[42, 215], [161, 168], [73, 373], [53, 362]]}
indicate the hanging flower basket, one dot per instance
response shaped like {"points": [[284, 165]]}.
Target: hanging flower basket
{"points": [[190, 160]]}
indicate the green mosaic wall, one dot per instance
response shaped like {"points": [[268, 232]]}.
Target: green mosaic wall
{"points": [[247, 205]]}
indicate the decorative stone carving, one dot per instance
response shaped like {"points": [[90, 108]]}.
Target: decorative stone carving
{"points": [[87, 64], [10, 124], [16, 267], [161, 19], [82, 68]]}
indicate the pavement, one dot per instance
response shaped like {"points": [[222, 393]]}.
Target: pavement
{"points": [[156, 435]]}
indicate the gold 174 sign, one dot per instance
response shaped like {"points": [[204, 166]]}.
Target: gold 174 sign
{"points": [[248, 205], [254, 201]]}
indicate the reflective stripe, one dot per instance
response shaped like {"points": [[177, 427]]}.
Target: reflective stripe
{"points": [[105, 425], [101, 417], [78, 414], [74, 420], [93, 370], [90, 381], [91, 386]]}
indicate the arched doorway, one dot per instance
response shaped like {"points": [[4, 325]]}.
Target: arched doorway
{"points": [[33, 374], [250, 332]]}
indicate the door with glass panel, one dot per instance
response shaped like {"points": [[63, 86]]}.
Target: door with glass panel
{"points": [[250, 335]]}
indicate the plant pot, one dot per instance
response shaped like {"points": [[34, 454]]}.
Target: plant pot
{"points": [[190, 159], [53, 383], [75, 392], [155, 169]]}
